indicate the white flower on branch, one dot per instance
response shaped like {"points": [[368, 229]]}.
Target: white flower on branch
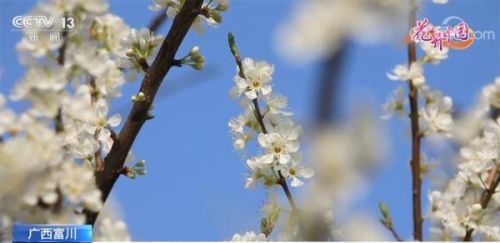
{"points": [[275, 131], [109, 229], [249, 236], [8, 117], [457, 208], [491, 93], [296, 172], [395, 104], [103, 125], [258, 77], [139, 45], [43, 86], [276, 104], [415, 73], [77, 183], [110, 29], [171, 7], [432, 54], [59, 7], [279, 146], [209, 14], [238, 129], [437, 115]]}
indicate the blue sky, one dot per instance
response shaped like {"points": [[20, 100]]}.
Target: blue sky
{"points": [[194, 189]]}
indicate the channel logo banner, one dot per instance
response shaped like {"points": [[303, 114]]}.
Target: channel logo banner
{"points": [[22, 233]]}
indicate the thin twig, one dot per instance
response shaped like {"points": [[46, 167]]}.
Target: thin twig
{"points": [[139, 113], [288, 194], [415, 134], [395, 234]]}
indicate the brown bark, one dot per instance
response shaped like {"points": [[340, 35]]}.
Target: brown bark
{"points": [[415, 135], [138, 115]]}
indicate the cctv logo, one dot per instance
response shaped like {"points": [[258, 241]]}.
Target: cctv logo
{"points": [[38, 22]]}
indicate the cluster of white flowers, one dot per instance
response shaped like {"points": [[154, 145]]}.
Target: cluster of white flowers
{"points": [[435, 115], [50, 151], [274, 132], [491, 94], [111, 230], [140, 46], [38, 175], [249, 236], [279, 141], [459, 206], [209, 14]]}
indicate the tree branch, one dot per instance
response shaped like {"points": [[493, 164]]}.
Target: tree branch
{"points": [[486, 198], [258, 115], [139, 113], [415, 134]]}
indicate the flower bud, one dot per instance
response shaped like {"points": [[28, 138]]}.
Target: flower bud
{"points": [[194, 51], [140, 163], [383, 210], [131, 174], [140, 171], [223, 6]]}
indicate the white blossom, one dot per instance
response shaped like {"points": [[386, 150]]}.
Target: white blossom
{"points": [[103, 125], [210, 14], [403, 73], [433, 54], [237, 126], [456, 208], [77, 183], [258, 77], [111, 230], [276, 134], [277, 104], [59, 7], [296, 172], [110, 29], [395, 104], [491, 93], [249, 236], [43, 86], [171, 7], [437, 115], [278, 148], [138, 46], [8, 117]]}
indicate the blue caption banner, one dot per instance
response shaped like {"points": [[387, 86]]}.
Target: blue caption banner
{"points": [[51, 233]]}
